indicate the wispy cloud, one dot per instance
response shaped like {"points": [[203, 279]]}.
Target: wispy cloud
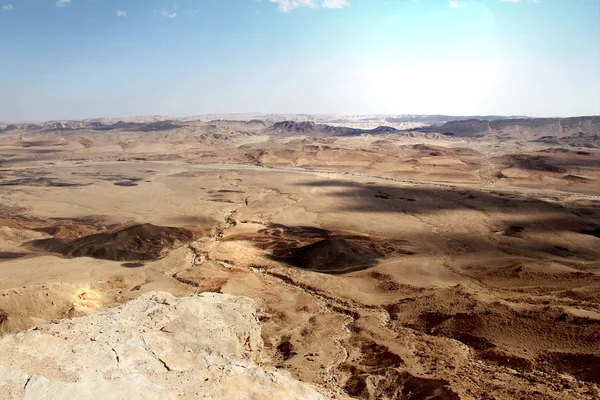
{"points": [[62, 3], [335, 3], [121, 13], [456, 4], [289, 5], [167, 14], [8, 7]]}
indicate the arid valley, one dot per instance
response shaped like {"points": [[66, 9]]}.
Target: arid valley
{"points": [[387, 259]]}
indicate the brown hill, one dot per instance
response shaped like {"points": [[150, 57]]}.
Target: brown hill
{"points": [[135, 243], [330, 256]]}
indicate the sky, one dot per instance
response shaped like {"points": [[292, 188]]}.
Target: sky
{"points": [[74, 59]]}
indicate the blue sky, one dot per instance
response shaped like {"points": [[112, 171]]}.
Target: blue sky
{"points": [[103, 58]]}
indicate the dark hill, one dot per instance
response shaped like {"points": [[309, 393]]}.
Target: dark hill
{"points": [[135, 243], [290, 128], [307, 128], [330, 256], [534, 163]]}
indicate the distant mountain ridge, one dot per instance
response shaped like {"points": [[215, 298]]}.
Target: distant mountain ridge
{"points": [[95, 125], [441, 119], [332, 119], [313, 129], [574, 131], [284, 128], [534, 126]]}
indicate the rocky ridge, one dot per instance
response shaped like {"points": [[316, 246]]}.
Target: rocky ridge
{"points": [[155, 347]]}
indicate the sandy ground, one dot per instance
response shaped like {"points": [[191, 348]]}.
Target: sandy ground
{"points": [[487, 284]]}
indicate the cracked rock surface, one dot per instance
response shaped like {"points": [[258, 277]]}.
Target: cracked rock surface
{"points": [[155, 347]]}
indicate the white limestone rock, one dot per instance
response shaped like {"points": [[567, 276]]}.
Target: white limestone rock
{"points": [[155, 347]]}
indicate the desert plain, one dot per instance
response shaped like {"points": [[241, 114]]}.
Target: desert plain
{"points": [[459, 261]]}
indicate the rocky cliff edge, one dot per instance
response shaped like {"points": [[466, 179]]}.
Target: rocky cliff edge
{"points": [[155, 347]]}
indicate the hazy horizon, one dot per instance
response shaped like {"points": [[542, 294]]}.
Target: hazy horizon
{"points": [[257, 114], [77, 59]]}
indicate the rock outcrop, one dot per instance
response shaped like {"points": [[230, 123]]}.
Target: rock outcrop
{"points": [[155, 347]]}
